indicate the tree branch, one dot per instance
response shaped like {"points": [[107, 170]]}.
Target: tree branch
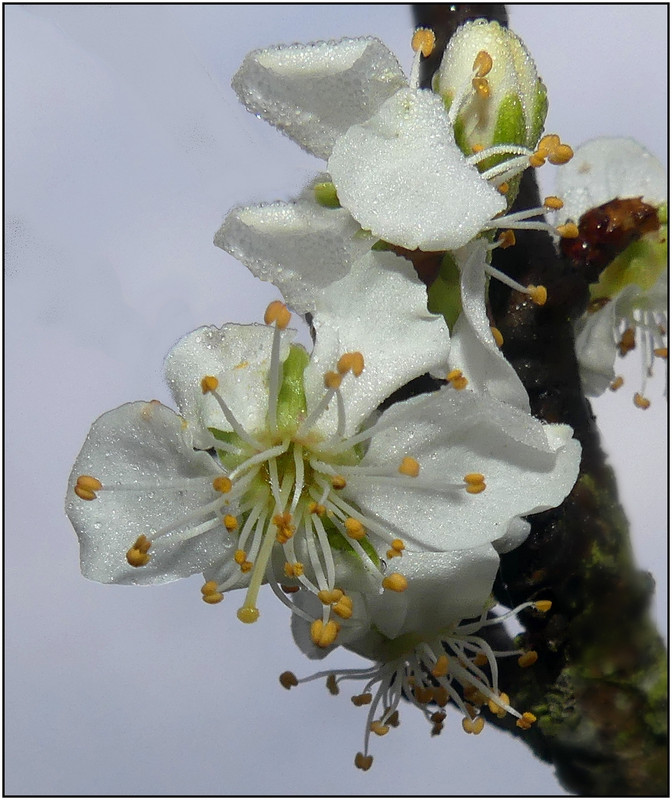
{"points": [[599, 688]]}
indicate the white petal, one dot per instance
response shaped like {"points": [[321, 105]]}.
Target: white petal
{"points": [[596, 349], [607, 168], [473, 348], [528, 467], [379, 309], [315, 92], [301, 247], [402, 177], [239, 357], [443, 589], [142, 444]]}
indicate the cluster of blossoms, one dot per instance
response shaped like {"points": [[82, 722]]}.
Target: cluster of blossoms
{"points": [[378, 523]]}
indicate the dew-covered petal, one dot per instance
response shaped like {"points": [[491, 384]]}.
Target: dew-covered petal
{"points": [[607, 168], [239, 357], [301, 247], [443, 589], [473, 347], [144, 445], [402, 176], [315, 92], [527, 467], [380, 310]]}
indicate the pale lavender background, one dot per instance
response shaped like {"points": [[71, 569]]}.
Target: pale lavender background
{"points": [[125, 148]]}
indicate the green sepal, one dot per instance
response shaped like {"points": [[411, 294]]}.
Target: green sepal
{"points": [[325, 195], [443, 296], [640, 264], [509, 128], [292, 394]]}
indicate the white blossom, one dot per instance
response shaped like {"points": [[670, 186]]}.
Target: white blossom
{"points": [[628, 306]]}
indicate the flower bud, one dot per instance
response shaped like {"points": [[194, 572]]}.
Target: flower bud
{"points": [[488, 70]]}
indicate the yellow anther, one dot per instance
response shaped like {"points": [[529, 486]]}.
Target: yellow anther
{"points": [[640, 401], [395, 582], [482, 64], [627, 342], [324, 634], [210, 593], [89, 482], [354, 528], [397, 544], [475, 488], [240, 556], [568, 230], [497, 708], [378, 728], [506, 239], [441, 696], [543, 605], [213, 598], [497, 336], [87, 486], [343, 608], [553, 202], [473, 725], [538, 294], [474, 477], [481, 87], [351, 362], [441, 667], [332, 684], [138, 556], [409, 466], [209, 384], [480, 659], [332, 380], [453, 374], [526, 721], [503, 188], [328, 596], [363, 762], [616, 383], [222, 484], [393, 553], [277, 312], [317, 508], [423, 694], [537, 160], [230, 523], [362, 699], [527, 659], [477, 148], [660, 352], [424, 41], [338, 482], [561, 154], [288, 679], [548, 143], [248, 614], [283, 522], [294, 570]]}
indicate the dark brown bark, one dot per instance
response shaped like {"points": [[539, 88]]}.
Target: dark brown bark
{"points": [[599, 688]]}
